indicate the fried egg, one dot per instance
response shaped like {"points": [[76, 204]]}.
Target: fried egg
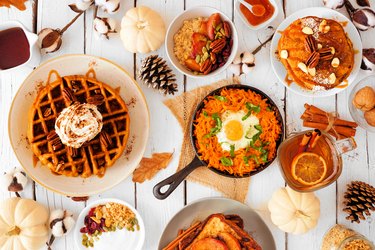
{"points": [[235, 131]]}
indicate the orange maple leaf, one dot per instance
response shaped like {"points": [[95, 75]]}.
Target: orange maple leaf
{"points": [[149, 167]]}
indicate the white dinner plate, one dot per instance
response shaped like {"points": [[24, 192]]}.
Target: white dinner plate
{"points": [[201, 209], [107, 72], [117, 240], [321, 12]]}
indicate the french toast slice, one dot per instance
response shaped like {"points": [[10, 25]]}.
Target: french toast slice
{"points": [[227, 231]]}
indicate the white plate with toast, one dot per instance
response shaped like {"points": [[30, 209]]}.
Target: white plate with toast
{"points": [[107, 72], [201, 209]]}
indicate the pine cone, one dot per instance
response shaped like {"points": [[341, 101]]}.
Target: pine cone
{"points": [[359, 200], [156, 74]]}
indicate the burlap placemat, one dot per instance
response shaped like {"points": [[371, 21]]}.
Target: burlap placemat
{"points": [[183, 107]]}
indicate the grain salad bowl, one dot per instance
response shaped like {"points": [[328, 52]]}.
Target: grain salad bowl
{"points": [[178, 22]]}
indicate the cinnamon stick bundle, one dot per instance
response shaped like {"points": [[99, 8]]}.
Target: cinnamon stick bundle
{"points": [[315, 117]]}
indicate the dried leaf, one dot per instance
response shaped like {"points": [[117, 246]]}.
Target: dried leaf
{"points": [[19, 4], [74, 8], [149, 167]]}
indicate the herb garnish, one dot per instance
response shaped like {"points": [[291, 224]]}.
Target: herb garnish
{"points": [[226, 161], [217, 127], [232, 151], [220, 98], [251, 108], [205, 113]]}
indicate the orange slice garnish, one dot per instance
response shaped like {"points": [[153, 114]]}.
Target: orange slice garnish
{"points": [[309, 168]]}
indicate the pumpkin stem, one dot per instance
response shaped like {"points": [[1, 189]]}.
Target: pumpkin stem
{"points": [[301, 214], [14, 231], [142, 24]]}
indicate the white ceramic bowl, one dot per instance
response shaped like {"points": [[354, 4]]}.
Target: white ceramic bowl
{"points": [[117, 240], [176, 24], [321, 12], [107, 72], [357, 114], [262, 25]]}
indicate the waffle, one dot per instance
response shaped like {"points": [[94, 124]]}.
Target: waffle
{"points": [[95, 156], [328, 35]]}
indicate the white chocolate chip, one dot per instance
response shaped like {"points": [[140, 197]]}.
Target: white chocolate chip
{"points": [[320, 46], [302, 67], [335, 62], [333, 51], [332, 78], [312, 71], [284, 54], [307, 30], [326, 29]]}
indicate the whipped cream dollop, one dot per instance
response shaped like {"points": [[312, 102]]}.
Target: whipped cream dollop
{"points": [[78, 124]]}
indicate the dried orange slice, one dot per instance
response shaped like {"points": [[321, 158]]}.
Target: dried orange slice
{"points": [[309, 168]]}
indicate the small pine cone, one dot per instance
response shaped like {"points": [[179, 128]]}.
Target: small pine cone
{"points": [[359, 200], [156, 74]]}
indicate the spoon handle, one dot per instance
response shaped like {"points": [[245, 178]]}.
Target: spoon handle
{"points": [[246, 4]]}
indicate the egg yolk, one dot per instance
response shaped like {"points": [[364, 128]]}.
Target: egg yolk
{"points": [[233, 130]]}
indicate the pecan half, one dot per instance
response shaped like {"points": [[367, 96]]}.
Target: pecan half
{"points": [[326, 54], [313, 60], [83, 198], [54, 139], [213, 58], [47, 112], [73, 152], [59, 166], [227, 29], [206, 67], [96, 99], [218, 45], [105, 139], [68, 96], [310, 44]]}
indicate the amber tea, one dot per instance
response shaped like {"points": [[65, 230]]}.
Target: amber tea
{"points": [[311, 160]]}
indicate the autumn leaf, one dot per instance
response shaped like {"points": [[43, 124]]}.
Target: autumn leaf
{"points": [[149, 167], [19, 4]]}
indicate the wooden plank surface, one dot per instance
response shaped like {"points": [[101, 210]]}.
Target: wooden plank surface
{"points": [[165, 132]]}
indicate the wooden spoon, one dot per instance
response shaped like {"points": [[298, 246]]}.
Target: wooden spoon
{"points": [[256, 9]]}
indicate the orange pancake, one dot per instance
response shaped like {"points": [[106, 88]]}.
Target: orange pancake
{"points": [[316, 53]]}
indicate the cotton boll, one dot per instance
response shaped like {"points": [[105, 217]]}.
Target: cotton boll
{"points": [[110, 6], [237, 59], [61, 222], [334, 4], [246, 68], [13, 180], [235, 69], [248, 58], [83, 5], [104, 26]]}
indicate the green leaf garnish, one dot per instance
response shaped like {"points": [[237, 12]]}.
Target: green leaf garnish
{"points": [[232, 151], [226, 161], [268, 109], [264, 156], [205, 113], [220, 98], [246, 160], [217, 127], [251, 108]]}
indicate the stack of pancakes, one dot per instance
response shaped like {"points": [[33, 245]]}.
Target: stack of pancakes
{"points": [[316, 53]]}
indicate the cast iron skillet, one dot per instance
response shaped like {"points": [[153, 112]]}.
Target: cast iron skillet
{"points": [[174, 180]]}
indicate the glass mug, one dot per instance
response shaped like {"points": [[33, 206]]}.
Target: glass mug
{"points": [[326, 147]]}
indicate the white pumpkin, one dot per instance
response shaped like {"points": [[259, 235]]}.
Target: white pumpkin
{"points": [[23, 224], [142, 30], [294, 212]]}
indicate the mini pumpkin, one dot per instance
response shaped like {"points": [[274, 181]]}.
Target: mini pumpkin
{"points": [[294, 212], [23, 224], [142, 30]]}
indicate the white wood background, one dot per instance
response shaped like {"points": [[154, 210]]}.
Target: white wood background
{"points": [[165, 133]]}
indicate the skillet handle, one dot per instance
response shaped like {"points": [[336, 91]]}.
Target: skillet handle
{"points": [[174, 180]]}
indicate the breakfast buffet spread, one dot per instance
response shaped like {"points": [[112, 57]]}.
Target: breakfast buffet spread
{"points": [[79, 125]]}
